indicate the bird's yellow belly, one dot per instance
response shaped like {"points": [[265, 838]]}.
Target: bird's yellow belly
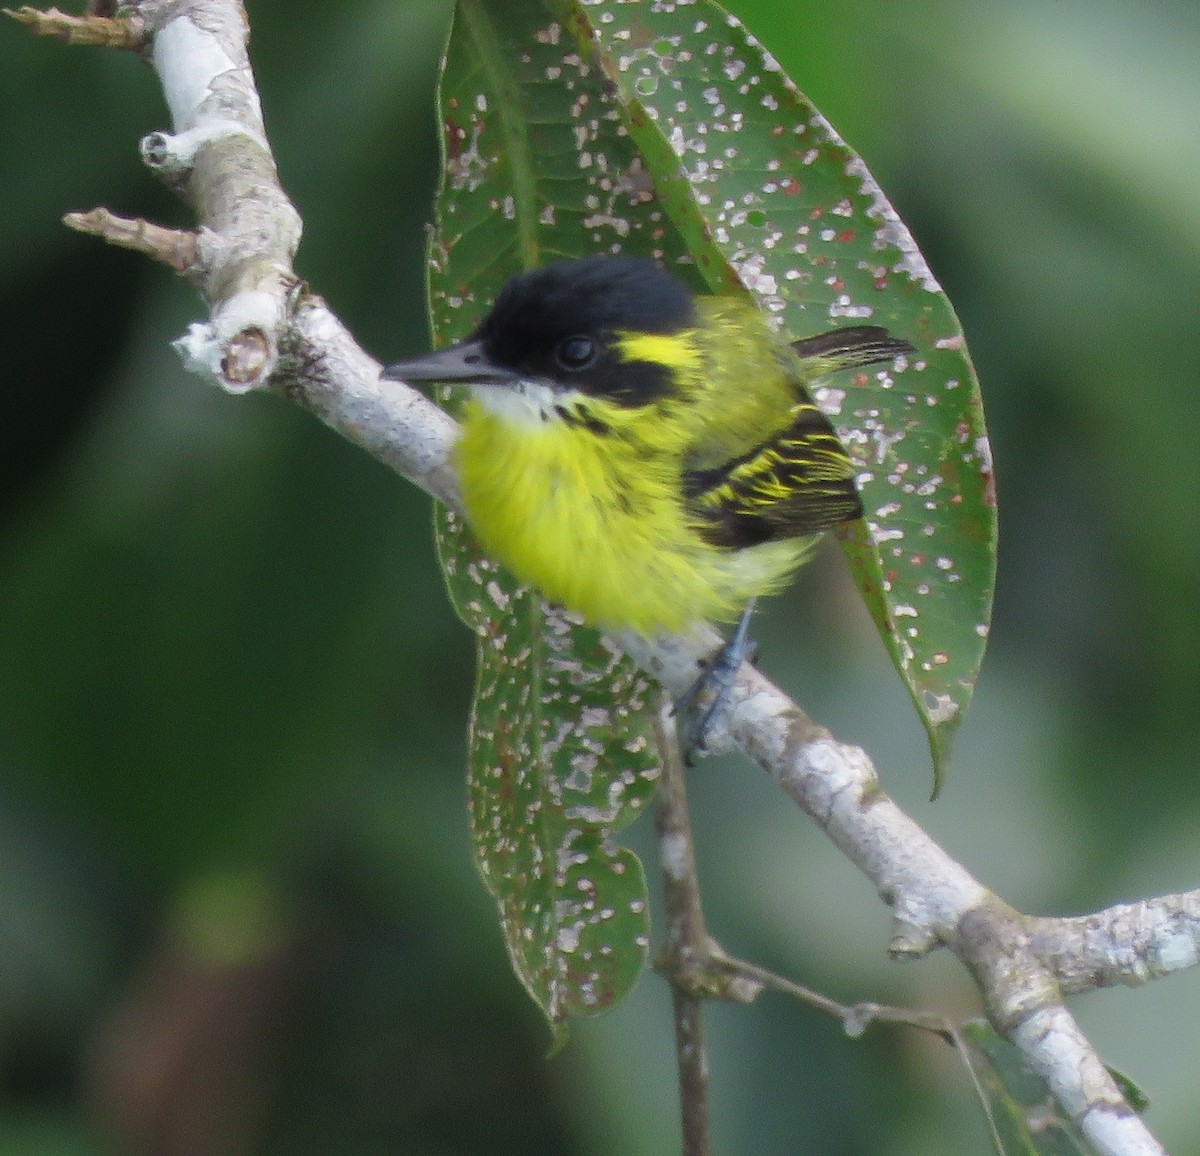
{"points": [[604, 534]]}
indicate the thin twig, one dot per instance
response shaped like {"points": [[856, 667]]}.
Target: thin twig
{"points": [[173, 247], [855, 1017], [698, 968], [687, 946], [858, 1017], [126, 32], [963, 1047]]}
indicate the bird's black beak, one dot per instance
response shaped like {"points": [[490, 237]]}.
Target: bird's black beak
{"points": [[465, 363]]}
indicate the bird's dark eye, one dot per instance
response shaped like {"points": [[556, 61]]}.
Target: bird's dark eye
{"points": [[575, 353]]}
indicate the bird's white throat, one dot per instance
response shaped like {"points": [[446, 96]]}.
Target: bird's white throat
{"points": [[532, 403]]}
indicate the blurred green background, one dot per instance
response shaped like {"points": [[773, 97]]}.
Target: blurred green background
{"points": [[237, 909]]}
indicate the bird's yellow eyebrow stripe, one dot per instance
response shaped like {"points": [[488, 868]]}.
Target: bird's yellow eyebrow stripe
{"points": [[675, 352]]}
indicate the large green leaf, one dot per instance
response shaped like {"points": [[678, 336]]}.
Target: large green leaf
{"points": [[560, 761], [571, 128], [562, 754], [767, 196]]}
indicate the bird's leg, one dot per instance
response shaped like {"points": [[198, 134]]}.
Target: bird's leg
{"points": [[714, 686]]}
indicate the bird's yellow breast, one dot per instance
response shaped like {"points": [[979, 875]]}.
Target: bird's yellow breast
{"points": [[596, 522]]}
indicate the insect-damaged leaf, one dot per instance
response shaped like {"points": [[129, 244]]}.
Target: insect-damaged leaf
{"points": [[560, 761], [663, 129], [767, 196], [562, 754]]}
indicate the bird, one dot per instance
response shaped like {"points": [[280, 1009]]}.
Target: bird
{"points": [[645, 456]]}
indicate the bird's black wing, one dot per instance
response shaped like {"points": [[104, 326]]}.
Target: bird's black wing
{"points": [[798, 482], [801, 480], [852, 347]]}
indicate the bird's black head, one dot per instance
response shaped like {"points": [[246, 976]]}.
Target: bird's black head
{"points": [[558, 323]]}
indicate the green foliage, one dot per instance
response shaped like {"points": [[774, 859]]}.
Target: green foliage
{"points": [[561, 753], [768, 196], [570, 128], [561, 759]]}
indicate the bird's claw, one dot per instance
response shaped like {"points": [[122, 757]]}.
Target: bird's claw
{"points": [[699, 706]]}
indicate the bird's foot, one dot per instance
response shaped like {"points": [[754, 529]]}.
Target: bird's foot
{"points": [[700, 705]]}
